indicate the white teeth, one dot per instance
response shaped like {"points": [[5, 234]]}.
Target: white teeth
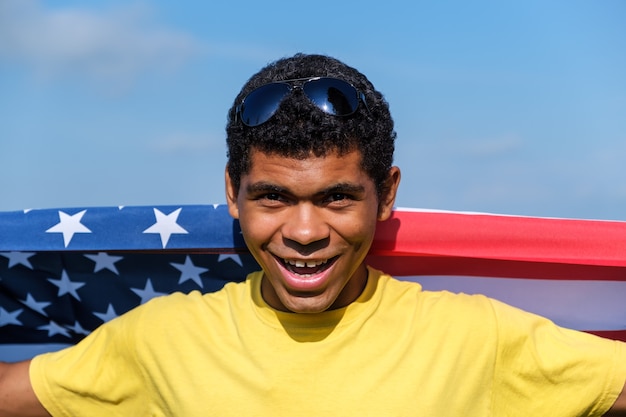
{"points": [[302, 264]]}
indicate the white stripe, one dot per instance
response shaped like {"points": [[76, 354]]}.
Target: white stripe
{"points": [[580, 305], [19, 352]]}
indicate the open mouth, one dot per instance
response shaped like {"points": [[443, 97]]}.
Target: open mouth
{"points": [[308, 267]]}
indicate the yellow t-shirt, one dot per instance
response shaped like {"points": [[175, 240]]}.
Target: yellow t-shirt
{"points": [[395, 351]]}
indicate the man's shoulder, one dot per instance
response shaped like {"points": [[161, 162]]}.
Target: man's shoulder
{"points": [[410, 288], [179, 302]]}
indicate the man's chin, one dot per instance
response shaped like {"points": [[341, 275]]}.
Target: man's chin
{"points": [[306, 304]]}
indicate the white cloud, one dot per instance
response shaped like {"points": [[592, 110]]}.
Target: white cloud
{"points": [[103, 45]]}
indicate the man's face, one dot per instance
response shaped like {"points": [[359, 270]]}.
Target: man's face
{"points": [[309, 223]]}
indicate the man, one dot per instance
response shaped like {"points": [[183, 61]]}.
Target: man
{"points": [[317, 332]]}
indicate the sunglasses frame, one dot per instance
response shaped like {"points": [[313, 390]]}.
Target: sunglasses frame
{"points": [[298, 84]]}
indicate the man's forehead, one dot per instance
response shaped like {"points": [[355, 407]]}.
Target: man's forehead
{"points": [[274, 168], [262, 155]]}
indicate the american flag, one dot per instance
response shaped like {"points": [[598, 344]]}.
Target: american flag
{"points": [[64, 272]]}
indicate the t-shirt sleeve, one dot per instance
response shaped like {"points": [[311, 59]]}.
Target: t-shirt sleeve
{"points": [[98, 375], [543, 369]]}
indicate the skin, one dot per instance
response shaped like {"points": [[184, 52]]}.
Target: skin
{"points": [[320, 212], [619, 407], [17, 397]]}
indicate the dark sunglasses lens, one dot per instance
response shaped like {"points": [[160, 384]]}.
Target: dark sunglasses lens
{"points": [[333, 96], [261, 104]]}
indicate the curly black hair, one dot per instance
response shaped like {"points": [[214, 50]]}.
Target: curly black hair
{"points": [[299, 129]]}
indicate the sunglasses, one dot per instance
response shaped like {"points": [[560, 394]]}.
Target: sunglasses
{"points": [[331, 95]]}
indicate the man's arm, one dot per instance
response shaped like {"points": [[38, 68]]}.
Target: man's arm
{"points": [[17, 398], [619, 408]]}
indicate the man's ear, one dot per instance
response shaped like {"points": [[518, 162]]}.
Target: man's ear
{"points": [[231, 196], [388, 194]]}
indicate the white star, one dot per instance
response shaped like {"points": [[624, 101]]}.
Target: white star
{"points": [[78, 329], [166, 225], [10, 318], [66, 286], [189, 271], [69, 225], [16, 258], [104, 260], [33, 304], [109, 315], [234, 257], [147, 293], [54, 328]]}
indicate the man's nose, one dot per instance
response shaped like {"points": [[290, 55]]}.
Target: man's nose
{"points": [[306, 224]]}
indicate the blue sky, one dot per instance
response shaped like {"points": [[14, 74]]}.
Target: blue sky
{"points": [[503, 107]]}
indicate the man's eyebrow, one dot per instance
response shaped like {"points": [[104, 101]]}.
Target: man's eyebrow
{"points": [[268, 187], [265, 187], [344, 187]]}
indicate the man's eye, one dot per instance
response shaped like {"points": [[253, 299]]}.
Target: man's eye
{"points": [[338, 197], [271, 198]]}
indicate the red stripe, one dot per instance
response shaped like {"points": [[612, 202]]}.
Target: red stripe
{"points": [[447, 265], [615, 334], [466, 238]]}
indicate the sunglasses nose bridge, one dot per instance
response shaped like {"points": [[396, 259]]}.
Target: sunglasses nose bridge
{"points": [[297, 87]]}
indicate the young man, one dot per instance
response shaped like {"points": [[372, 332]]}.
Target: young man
{"points": [[317, 332]]}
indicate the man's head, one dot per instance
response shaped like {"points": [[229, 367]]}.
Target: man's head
{"points": [[299, 128], [309, 176]]}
